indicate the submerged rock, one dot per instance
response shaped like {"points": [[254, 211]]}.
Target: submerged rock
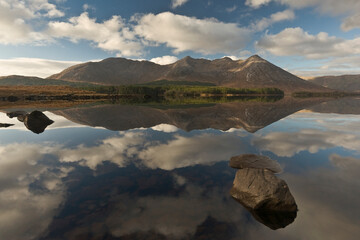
{"points": [[37, 122], [255, 161], [266, 196]]}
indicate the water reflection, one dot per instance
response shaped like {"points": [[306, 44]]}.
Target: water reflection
{"points": [[6, 125], [35, 121], [250, 116], [165, 183]]}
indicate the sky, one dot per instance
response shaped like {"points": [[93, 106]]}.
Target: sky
{"points": [[307, 38]]}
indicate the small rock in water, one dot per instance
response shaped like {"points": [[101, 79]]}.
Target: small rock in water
{"points": [[15, 114], [5, 125], [255, 161]]}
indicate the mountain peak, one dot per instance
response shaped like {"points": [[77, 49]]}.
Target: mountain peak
{"points": [[255, 58], [187, 58], [226, 59]]}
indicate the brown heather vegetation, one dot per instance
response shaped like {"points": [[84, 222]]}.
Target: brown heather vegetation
{"points": [[6, 91]]}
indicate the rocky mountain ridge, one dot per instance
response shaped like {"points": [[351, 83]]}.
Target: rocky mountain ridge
{"points": [[254, 72]]}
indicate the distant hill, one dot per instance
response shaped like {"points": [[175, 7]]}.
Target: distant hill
{"points": [[343, 83], [253, 72], [16, 80]]}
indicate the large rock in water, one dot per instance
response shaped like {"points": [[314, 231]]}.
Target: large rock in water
{"points": [[266, 196], [255, 161], [36, 122], [261, 189]]}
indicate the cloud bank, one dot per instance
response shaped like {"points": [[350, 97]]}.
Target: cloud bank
{"points": [[33, 66], [295, 41], [182, 33]]}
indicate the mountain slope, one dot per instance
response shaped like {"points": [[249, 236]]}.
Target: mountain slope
{"points": [[254, 72], [342, 83]]}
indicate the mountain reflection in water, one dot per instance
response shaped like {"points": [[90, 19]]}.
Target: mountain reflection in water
{"points": [[164, 174], [251, 116]]}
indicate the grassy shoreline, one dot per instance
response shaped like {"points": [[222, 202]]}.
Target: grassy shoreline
{"points": [[12, 93]]}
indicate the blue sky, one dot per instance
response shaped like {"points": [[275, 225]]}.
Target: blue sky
{"points": [[308, 37]]}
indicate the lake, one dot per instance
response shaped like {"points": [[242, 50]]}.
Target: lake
{"points": [[155, 171]]}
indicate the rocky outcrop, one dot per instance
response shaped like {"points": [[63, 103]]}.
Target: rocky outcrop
{"points": [[255, 161]]}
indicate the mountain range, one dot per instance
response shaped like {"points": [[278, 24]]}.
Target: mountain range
{"points": [[254, 72], [342, 83]]}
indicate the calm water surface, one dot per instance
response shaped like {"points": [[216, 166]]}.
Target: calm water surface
{"points": [[161, 172]]}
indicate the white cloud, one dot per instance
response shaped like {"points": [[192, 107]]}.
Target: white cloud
{"points": [[335, 66], [274, 18], [116, 150], [87, 7], [256, 3], [351, 22], [33, 66], [324, 6], [188, 151], [231, 9], [332, 7], [111, 35], [178, 3], [16, 17], [24, 213], [164, 60], [184, 33], [295, 41], [165, 128], [180, 151], [344, 64], [287, 144]]}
